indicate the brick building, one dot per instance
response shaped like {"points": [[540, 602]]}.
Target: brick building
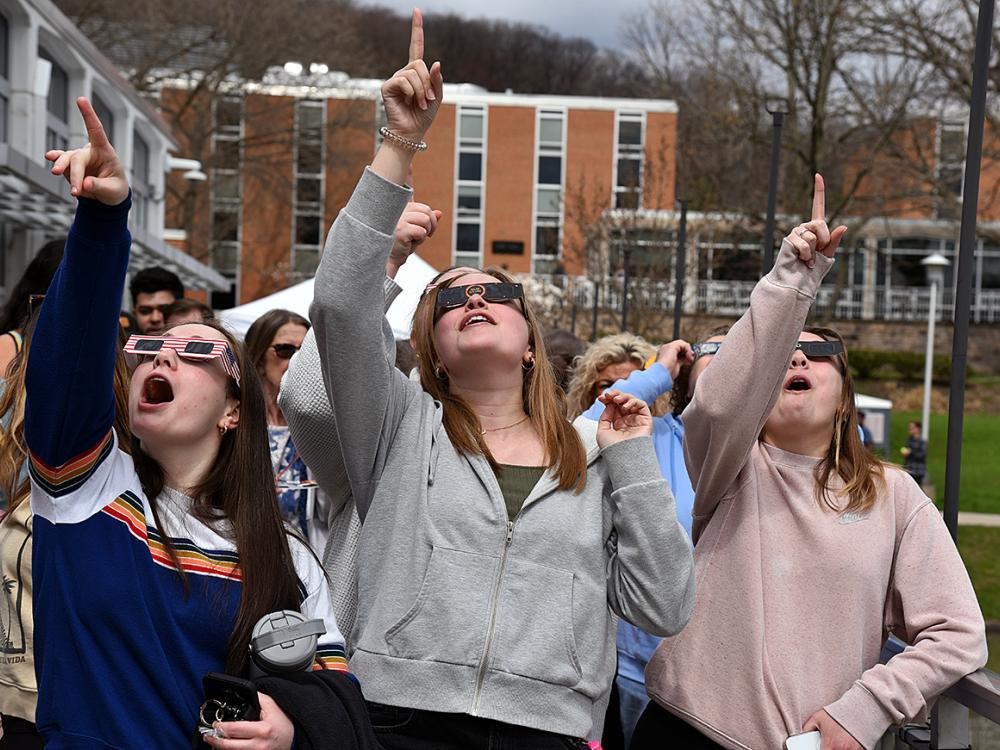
{"points": [[519, 178]]}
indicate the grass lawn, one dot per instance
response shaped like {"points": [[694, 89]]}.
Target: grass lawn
{"points": [[980, 487], [980, 549]]}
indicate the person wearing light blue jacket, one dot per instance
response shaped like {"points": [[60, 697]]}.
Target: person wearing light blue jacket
{"points": [[635, 646]]}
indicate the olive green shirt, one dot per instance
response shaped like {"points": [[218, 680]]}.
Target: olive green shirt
{"points": [[516, 483]]}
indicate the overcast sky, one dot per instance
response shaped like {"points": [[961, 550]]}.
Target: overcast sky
{"points": [[598, 20]]}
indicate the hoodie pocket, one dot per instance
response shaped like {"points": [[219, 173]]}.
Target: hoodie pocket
{"points": [[447, 621], [534, 636]]}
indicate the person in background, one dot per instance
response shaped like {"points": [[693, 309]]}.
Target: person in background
{"points": [[867, 438], [270, 343], [153, 290], [809, 550], [915, 453], [27, 293], [562, 348], [187, 311], [604, 362]]}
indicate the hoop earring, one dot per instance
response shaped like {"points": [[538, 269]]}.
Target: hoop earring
{"points": [[528, 366], [439, 373], [223, 430]]}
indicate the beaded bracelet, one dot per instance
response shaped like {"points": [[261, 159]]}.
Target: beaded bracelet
{"points": [[401, 141]]}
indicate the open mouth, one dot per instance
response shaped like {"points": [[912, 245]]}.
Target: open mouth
{"points": [[157, 390], [475, 320], [798, 384]]}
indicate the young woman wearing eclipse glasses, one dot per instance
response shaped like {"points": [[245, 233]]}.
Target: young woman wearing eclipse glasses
{"points": [[498, 542], [809, 550], [151, 569]]}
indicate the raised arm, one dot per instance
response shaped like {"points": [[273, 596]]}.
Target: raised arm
{"points": [[70, 401], [738, 389], [933, 608], [367, 394], [651, 383]]}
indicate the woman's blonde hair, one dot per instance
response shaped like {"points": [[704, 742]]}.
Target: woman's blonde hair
{"points": [[610, 350], [862, 473], [543, 400], [13, 450]]}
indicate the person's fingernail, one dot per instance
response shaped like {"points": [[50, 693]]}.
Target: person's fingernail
{"points": [[431, 95]]}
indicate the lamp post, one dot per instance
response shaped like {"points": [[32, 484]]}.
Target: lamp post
{"points": [[680, 268], [778, 108], [935, 265]]}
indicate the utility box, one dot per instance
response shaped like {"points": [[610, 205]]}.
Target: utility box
{"points": [[877, 413]]}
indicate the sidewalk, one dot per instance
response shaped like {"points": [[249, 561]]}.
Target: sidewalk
{"points": [[979, 519]]}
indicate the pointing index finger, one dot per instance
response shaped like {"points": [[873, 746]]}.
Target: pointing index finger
{"points": [[417, 36], [819, 199], [95, 131]]}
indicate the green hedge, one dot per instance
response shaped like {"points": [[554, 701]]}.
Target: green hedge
{"points": [[869, 364]]}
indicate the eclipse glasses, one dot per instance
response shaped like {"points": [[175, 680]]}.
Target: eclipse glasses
{"points": [[456, 296], [199, 350], [811, 349]]}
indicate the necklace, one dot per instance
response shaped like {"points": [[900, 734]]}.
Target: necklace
{"points": [[506, 427]]}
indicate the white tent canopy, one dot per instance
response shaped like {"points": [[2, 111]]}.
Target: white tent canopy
{"points": [[412, 277]]}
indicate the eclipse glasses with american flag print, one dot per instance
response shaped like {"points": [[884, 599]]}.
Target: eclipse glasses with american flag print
{"points": [[194, 349]]}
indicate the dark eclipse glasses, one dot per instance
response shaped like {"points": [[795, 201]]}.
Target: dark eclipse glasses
{"points": [[811, 349], [456, 296]]}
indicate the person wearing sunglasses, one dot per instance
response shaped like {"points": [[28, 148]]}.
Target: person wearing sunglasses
{"points": [[150, 569], [499, 541], [271, 342], [809, 550]]}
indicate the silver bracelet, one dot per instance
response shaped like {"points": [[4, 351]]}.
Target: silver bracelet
{"points": [[400, 140]]}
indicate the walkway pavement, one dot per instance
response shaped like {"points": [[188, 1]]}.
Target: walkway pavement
{"points": [[978, 519]]}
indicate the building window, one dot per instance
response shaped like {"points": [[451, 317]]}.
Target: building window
{"points": [[226, 196], [4, 75], [57, 106], [142, 190], [950, 168], [629, 159], [550, 160], [307, 200], [471, 168], [105, 114]]}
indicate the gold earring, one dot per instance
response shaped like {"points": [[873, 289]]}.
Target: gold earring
{"points": [[223, 430]]}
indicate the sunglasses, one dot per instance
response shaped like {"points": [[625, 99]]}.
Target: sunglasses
{"points": [[811, 349], [150, 309], [456, 296], [194, 349], [284, 351]]}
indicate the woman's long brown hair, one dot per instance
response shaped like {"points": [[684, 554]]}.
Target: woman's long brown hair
{"points": [[543, 399], [240, 489], [862, 473]]}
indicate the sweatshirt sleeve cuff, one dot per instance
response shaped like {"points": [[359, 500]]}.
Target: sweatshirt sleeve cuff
{"points": [[790, 272], [97, 221], [861, 715], [391, 290], [378, 203], [660, 377], [631, 461]]}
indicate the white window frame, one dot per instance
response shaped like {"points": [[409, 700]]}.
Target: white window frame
{"points": [[57, 130], [5, 79], [309, 209], [468, 216], [635, 153], [228, 204], [544, 219]]}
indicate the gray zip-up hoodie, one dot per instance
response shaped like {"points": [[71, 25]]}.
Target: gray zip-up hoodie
{"points": [[459, 609]]}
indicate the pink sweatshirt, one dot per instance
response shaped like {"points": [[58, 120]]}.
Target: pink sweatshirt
{"points": [[794, 600]]}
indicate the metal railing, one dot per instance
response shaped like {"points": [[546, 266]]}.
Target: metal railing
{"points": [[731, 298], [949, 727]]}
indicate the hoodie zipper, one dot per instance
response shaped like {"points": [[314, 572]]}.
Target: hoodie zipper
{"points": [[488, 648]]}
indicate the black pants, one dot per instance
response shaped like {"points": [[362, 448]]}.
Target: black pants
{"points": [[19, 734], [413, 729], [658, 729]]}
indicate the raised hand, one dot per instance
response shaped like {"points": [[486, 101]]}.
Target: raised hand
{"points": [[413, 95], [815, 236], [624, 417], [93, 171], [673, 355], [418, 222]]}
